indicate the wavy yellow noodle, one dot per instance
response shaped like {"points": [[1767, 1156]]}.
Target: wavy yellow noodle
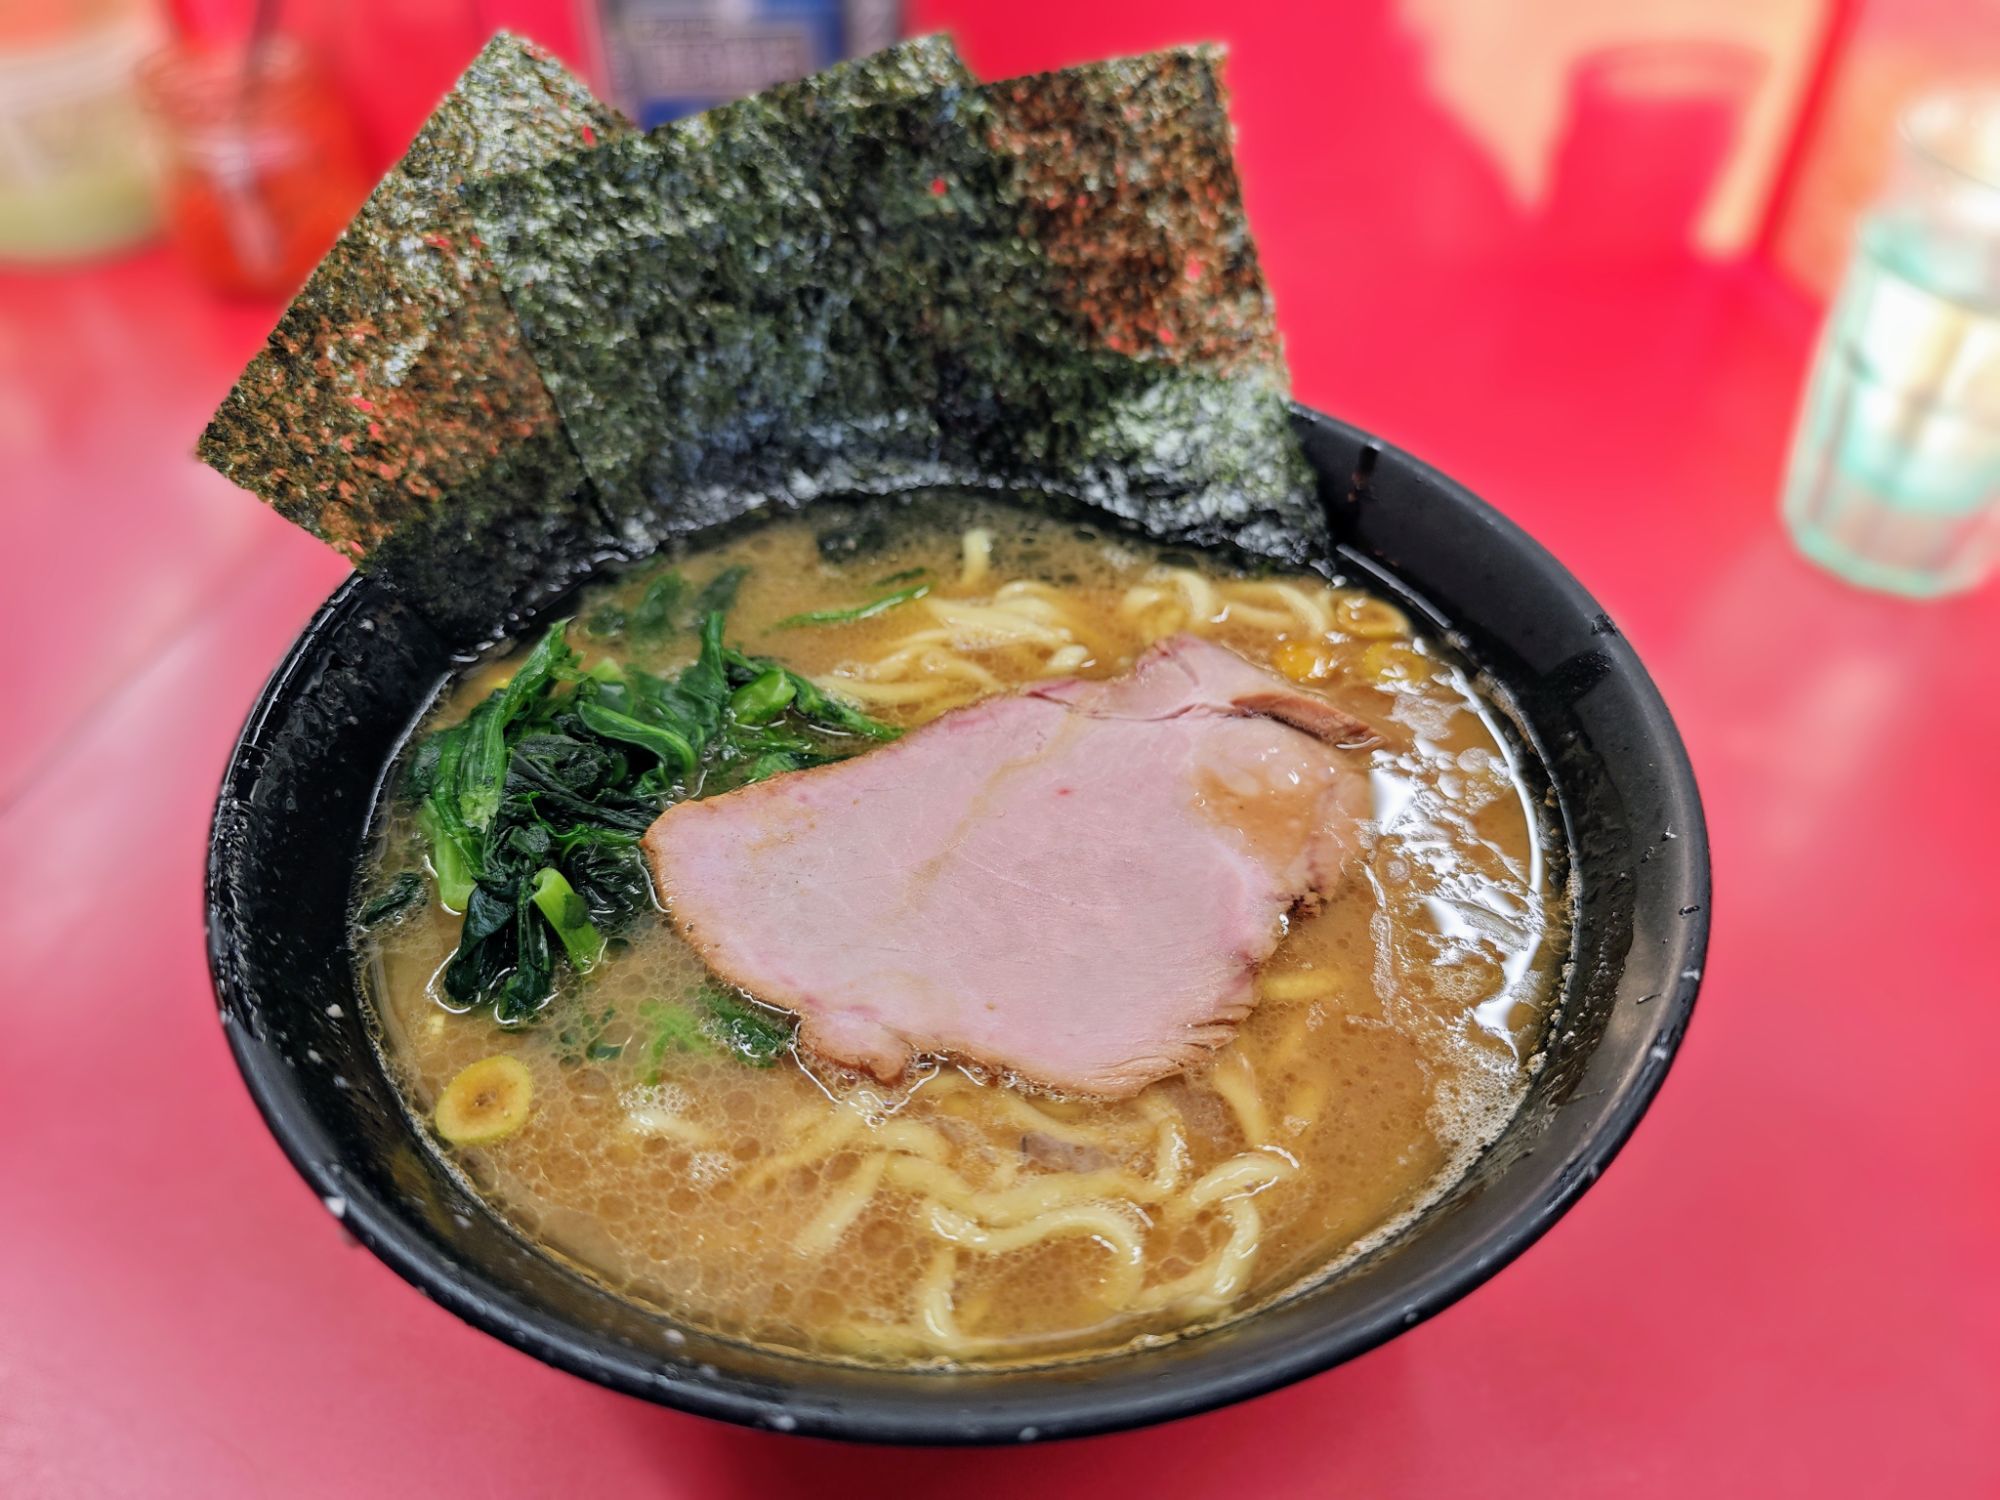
{"points": [[849, 1201], [1236, 1081]]}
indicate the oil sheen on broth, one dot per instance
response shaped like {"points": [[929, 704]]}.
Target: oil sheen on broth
{"points": [[954, 1218]]}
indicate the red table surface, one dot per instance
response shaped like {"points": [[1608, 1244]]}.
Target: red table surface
{"points": [[1787, 1285]]}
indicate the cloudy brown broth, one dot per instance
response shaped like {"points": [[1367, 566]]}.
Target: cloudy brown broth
{"points": [[954, 1216]]}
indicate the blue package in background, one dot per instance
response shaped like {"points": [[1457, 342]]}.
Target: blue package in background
{"points": [[668, 58]]}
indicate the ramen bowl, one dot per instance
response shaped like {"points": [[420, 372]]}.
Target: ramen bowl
{"points": [[293, 825]]}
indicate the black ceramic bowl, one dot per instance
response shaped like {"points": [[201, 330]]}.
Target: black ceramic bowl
{"points": [[293, 820]]}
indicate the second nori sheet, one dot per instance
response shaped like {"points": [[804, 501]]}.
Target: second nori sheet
{"points": [[1045, 284]]}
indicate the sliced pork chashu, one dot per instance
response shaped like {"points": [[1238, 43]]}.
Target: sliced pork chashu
{"points": [[1075, 883]]}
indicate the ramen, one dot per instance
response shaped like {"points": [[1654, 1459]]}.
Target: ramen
{"points": [[595, 1077]]}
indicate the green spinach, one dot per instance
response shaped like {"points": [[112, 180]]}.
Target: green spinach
{"points": [[866, 611], [392, 899], [716, 1018], [533, 805]]}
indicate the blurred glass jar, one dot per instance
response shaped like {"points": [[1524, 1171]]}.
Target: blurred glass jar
{"points": [[1895, 470], [259, 173], [75, 179]]}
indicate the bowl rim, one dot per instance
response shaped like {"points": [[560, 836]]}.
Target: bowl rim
{"points": [[1073, 1408]]}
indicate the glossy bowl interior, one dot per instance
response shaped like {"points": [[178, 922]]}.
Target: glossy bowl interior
{"points": [[292, 823]]}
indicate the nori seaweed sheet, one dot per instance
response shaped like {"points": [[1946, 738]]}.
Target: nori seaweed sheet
{"points": [[1126, 177], [395, 411], [1042, 285]]}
